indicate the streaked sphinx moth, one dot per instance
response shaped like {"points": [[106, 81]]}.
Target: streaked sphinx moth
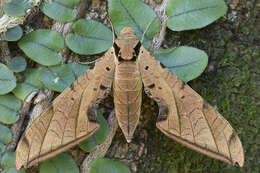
{"points": [[183, 115]]}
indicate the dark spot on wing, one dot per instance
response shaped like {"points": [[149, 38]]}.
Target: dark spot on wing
{"points": [[102, 87], [163, 66], [146, 67], [182, 97], [151, 86], [107, 68]]}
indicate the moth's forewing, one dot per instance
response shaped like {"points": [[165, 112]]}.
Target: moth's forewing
{"points": [[71, 117], [185, 117]]}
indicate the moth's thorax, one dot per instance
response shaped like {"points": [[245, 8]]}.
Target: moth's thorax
{"points": [[127, 96], [126, 43]]}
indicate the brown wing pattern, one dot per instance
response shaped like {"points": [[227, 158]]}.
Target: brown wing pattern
{"points": [[64, 123], [185, 117]]}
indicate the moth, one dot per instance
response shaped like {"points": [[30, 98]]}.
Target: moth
{"points": [[128, 67]]}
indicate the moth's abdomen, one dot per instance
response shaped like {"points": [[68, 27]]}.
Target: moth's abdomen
{"points": [[127, 97]]}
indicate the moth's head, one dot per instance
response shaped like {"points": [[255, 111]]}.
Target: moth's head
{"points": [[127, 44]]}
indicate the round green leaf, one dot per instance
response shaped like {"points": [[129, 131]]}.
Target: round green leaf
{"points": [[13, 170], [136, 15], [7, 79], [17, 64], [17, 7], [5, 135], [89, 37], [185, 62], [60, 10], [61, 163], [42, 46], [188, 14], [98, 137], [77, 69], [8, 160], [13, 34], [9, 107], [89, 144], [57, 78], [2, 147], [103, 165], [31, 83]]}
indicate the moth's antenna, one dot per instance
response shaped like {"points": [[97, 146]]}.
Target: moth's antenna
{"points": [[147, 27], [112, 27]]}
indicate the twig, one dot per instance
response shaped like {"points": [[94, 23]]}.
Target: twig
{"points": [[161, 13], [5, 52], [16, 128], [102, 148]]}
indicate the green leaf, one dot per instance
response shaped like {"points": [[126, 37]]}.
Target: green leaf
{"points": [[5, 135], [8, 160], [60, 10], [57, 78], [9, 107], [31, 83], [136, 15], [103, 165], [42, 46], [190, 14], [185, 62], [17, 64], [77, 69], [13, 34], [7, 79], [13, 170], [98, 137], [61, 163], [89, 37], [2, 147], [17, 7]]}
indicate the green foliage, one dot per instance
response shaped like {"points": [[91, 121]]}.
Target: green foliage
{"points": [[17, 64], [8, 160], [77, 69], [7, 163], [136, 15], [13, 170], [188, 14], [5, 135], [13, 34], [89, 37], [9, 107], [7, 80], [42, 46], [30, 83], [186, 62], [17, 7], [99, 136], [60, 10], [103, 165], [60, 77], [2, 147], [61, 163]]}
